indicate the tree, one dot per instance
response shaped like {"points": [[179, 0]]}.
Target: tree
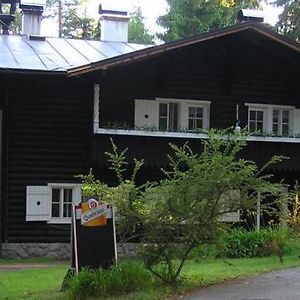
{"points": [[177, 214], [137, 33], [72, 19], [189, 17], [289, 19]]}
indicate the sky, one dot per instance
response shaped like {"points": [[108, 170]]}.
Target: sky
{"points": [[151, 10]]}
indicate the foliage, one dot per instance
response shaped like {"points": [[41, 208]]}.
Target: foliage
{"points": [[137, 33], [73, 21], [240, 243], [289, 19], [128, 276], [183, 211], [189, 17], [293, 218]]}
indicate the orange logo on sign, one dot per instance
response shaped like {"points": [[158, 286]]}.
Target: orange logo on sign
{"points": [[93, 213]]}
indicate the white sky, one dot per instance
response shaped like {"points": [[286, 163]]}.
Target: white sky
{"points": [[151, 10]]}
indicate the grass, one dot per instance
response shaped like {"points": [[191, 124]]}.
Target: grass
{"points": [[45, 283]]}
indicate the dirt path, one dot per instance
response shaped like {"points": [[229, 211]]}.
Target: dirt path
{"points": [[278, 285], [26, 266]]}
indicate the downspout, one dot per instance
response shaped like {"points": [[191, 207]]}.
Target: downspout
{"points": [[96, 107]]}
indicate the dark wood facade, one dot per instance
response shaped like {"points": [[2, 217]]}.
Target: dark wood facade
{"points": [[46, 136], [48, 119]]}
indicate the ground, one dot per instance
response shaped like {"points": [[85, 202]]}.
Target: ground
{"points": [[278, 285]]}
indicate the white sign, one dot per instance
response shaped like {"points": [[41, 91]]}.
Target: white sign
{"points": [[33, 2]]}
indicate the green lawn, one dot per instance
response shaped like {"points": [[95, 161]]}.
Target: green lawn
{"points": [[45, 283]]}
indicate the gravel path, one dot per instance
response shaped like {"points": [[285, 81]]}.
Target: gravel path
{"points": [[277, 285]]}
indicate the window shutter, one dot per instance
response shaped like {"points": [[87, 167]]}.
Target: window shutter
{"points": [[77, 194], [38, 203], [146, 114]]}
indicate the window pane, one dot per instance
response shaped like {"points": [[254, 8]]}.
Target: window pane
{"points": [[191, 124], [199, 124], [275, 115], [68, 195], [252, 126], [55, 210], [285, 116], [260, 115], [173, 116], [285, 130], [252, 115], [259, 126], [55, 195], [275, 128], [199, 112], [163, 124], [163, 109], [67, 210]]}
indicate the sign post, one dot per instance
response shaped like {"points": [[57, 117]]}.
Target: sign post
{"points": [[93, 236]]}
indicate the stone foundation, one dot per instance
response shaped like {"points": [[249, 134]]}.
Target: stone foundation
{"points": [[56, 250]]}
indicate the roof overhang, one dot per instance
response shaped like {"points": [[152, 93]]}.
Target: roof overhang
{"points": [[160, 49]]}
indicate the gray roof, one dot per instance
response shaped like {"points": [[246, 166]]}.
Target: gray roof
{"points": [[19, 52]]}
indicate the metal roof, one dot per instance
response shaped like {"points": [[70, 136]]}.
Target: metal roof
{"points": [[19, 52]]}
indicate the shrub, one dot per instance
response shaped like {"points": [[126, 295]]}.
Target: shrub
{"points": [[128, 276], [240, 243]]}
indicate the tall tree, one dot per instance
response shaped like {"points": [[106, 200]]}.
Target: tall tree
{"points": [[289, 19], [137, 33], [188, 17], [73, 21]]}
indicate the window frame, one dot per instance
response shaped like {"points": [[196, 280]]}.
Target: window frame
{"points": [[61, 186], [268, 110], [183, 112]]}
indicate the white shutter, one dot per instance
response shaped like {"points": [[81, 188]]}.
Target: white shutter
{"points": [[77, 194], [296, 118], [146, 114], [38, 203]]}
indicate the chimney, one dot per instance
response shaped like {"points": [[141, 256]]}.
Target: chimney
{"points": [[245, 15], [32, 11], [114, 24]]}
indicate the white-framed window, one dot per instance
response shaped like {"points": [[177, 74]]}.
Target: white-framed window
{"points": [[52, 203], [256, 120], [195, 118], [281, 121], [271, 119], [166, 114]]}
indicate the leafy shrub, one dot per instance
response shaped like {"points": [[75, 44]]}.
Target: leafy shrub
{"points": [[240, 243], [204, 252], [128, 276]]}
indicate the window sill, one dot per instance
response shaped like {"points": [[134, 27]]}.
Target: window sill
{"points": [[191, 135]]}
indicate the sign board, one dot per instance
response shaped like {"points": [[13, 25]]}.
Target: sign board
{"points": [[33, 2], [93, 235]]}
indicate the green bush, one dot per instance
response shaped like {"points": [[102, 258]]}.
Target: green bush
{"points": [[204, 252], [241, 243], [128, 276]]}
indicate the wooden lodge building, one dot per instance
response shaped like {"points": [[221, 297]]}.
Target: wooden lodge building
{"points": [[62, 100]]}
